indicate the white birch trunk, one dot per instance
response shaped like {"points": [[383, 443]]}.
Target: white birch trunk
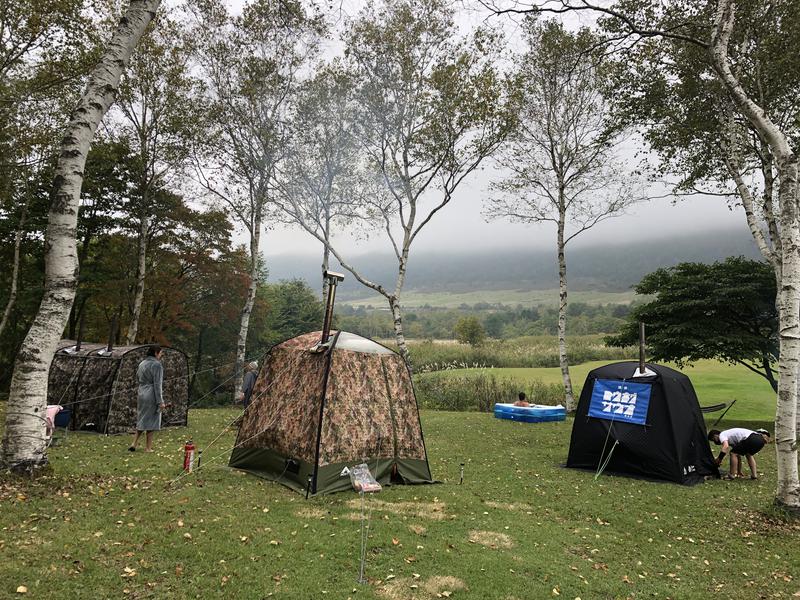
{"points": [[394, 301], [563, 362], [12, 294], [24, 446], [400, 338], [247, 309], [788, 488], [786, 412], [141, 272]]}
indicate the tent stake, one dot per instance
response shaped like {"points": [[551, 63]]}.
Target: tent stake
{"points": [[361, 579]]}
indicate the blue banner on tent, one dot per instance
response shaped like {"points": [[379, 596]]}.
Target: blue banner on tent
{"points": [[620, 401]]}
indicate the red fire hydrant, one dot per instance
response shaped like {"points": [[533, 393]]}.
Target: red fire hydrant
{"points": [[188, 456]]}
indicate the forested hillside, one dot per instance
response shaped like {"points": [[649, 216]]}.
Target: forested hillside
{"points": [[609, 268]]}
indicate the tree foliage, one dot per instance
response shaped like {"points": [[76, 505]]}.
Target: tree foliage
{"points": [[723, 311], [469, 330]]}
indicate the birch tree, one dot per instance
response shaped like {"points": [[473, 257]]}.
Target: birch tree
{"points": [[709, 28], [432, 108], [561, 159], [44, 49], [159, 104], [250, 64], [24, 446], [322, 180]]}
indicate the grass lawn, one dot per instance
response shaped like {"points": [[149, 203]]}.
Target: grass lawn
{"points": [[414, 299], [106, 524], [713, 381]]}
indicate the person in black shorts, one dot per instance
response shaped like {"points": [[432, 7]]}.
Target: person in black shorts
{"points": [[739, 442]]}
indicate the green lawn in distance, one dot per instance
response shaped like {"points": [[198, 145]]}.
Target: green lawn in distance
{"points": [[714, 382], [413, 299]]}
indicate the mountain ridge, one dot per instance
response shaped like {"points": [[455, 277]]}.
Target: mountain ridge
{"points": [[612, 267]]}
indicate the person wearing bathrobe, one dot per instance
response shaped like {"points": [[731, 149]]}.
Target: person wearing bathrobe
{"points": [[150, 402]]}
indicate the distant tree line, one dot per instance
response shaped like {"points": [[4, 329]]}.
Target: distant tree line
{"points": [[497, 322]]}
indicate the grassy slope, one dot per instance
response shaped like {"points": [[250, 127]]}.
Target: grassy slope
{"points": [[413, 299], [223, 534], [713, 381]]}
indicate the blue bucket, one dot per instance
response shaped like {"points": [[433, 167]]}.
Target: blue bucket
{"points": [[62, 418]]}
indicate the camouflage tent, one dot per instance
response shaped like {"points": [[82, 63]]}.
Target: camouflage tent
{"points": [[314, 413], [100, 387]]}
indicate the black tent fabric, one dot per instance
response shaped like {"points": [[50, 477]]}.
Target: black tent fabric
{"points": [[101, 388], [670, 444]]}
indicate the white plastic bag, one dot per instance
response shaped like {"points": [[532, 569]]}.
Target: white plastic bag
{"points": [[362, 480]]}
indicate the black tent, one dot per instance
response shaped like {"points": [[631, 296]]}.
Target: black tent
{"points": [[100, 386], [642, 426]]}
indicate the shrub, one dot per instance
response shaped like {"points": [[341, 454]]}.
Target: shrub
{"points": [[469, 330]]}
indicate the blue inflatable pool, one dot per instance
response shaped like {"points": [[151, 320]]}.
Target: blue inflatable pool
{"points": [[535, 413]]}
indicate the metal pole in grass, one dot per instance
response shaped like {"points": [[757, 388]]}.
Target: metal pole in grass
{"points": [[363, 543]]}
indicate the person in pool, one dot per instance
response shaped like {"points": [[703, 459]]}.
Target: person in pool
{"points": [[521, 401]]}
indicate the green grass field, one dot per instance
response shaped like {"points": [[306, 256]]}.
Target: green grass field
{"points": [[106, 523], [412, 299], [713, 381]]}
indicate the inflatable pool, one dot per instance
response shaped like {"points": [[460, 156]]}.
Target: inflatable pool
{"points": [[535, 413]]}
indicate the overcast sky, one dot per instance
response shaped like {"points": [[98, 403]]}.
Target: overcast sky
{"points": [[462, 225]]}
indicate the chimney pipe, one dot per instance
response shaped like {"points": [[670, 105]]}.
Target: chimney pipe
{"points": [[333, 281], [641, 348]]}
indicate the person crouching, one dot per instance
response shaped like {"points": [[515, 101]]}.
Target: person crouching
{"points": [[739, 442]]}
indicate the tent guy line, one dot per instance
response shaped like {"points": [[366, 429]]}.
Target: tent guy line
{"points": [[130, 389], [260, 396]]}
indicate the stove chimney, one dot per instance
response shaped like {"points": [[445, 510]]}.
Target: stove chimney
{"points": [[333, 280]]}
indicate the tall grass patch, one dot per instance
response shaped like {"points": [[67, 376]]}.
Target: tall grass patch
{"points": [[529, 351], [480, 392]]}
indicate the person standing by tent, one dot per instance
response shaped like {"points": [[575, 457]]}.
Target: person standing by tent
{"points": [[250, 375], [150, 401], [739, 442]]}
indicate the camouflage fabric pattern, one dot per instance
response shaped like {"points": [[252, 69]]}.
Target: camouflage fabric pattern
{"points": [[101, 389], [408, 429], [81, 384], [370, 410], [122, 411], [284, 409]]}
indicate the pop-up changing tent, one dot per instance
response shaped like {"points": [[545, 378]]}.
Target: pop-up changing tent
{"points": [[646, 426], [318, 409], [100, 386]]}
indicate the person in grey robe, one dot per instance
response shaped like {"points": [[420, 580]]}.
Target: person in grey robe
{"points": [[250, 375], [150, 401]]}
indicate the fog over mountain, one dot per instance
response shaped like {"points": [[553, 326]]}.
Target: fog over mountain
{"points": [[611, 266]]}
